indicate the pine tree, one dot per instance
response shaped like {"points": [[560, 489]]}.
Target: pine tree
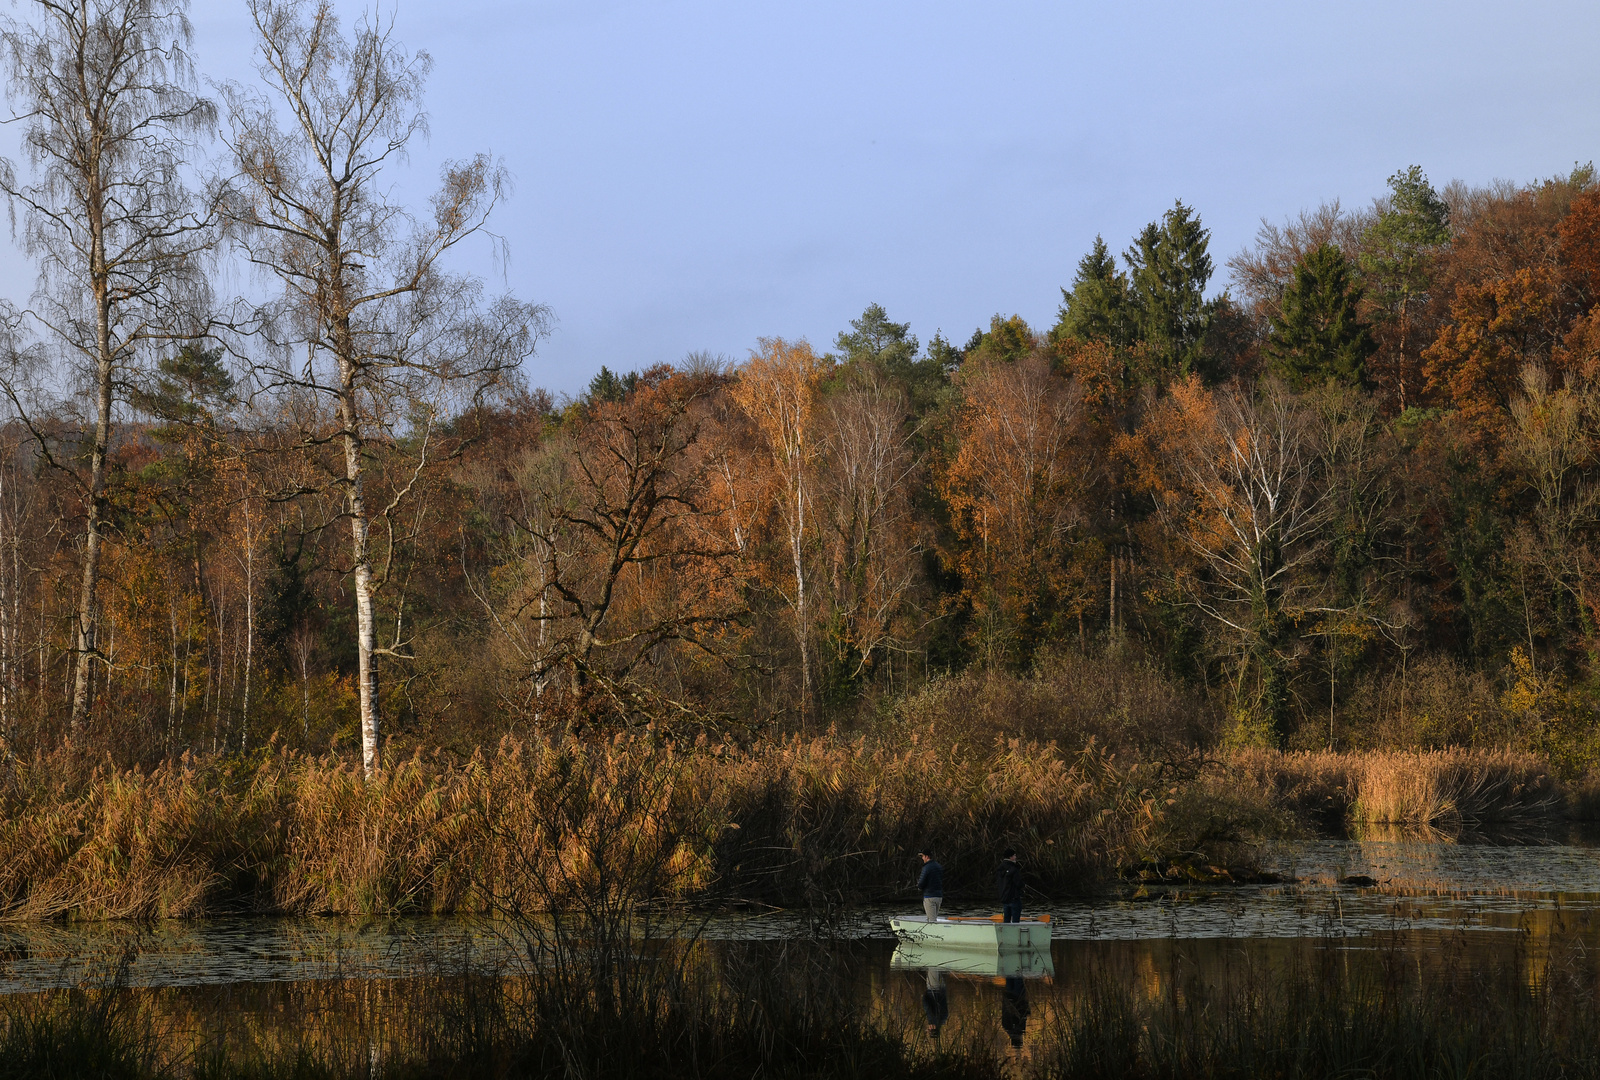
{"points": [[189, 388], [943, 357], [1006, 341], [610, 387], [1396, 262], [873, 338], [874, 341], [1168, 267], [1096, 307], [1317, 333]]}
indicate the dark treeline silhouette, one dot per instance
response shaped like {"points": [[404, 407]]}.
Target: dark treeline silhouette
{"points": [[1350, 500]]}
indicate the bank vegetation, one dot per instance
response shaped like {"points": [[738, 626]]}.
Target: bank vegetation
{"points": [[311, 599]]}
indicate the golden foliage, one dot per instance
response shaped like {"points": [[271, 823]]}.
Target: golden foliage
{"points": [[1014, 487]]}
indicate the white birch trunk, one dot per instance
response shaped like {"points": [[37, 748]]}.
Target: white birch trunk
{"points": [[361, 560], [802, 628], [249, 625], [84, 645]]}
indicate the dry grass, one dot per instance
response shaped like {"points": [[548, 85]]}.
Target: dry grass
{"points": [[1120, 700], [816, 822], [1437, 787]]}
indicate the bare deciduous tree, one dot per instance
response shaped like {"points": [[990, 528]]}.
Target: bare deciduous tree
{"points": [[620, 544], [1251, 497], [867, 489], [103, 90], [368, 320], [1553, 444]]}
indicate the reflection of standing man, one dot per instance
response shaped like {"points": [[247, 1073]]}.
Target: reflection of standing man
{"points": [[1009, 879], [931, 882], [1014, 1009], [935, 1002]]}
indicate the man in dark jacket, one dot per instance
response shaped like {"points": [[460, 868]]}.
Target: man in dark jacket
{"points": [[931, 882], [1009, 880]]}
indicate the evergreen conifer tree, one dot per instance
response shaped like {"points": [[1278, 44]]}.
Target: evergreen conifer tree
{"points": [[873, 338], [1006, 341], [891, 348], [1317, 333], [1168, 267], [1397, 264], [608, 386], [1096, 307], [190, 387], [943, 357]]}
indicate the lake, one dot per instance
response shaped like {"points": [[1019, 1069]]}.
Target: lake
{"points": [[1437, 904]]}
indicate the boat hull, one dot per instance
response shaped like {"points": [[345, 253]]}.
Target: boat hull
{"points": [[959, 933], [997, 963]]}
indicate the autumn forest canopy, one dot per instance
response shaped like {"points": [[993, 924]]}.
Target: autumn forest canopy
{"points": [[1340, 487]]}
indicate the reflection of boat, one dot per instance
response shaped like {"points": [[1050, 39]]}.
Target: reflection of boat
{"points": [[1027, 963], [956, 932]]}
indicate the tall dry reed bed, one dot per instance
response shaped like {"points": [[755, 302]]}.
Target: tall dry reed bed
{"points": [[1449, 787], [794, 821], [816, 822]]}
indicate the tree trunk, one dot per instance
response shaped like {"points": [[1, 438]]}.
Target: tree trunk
{"points": [[1405, 327], [9, 586], [1111, 614], [797, 541], [361, 560], [86, 628], [172, 688], [544, 638], [249, 627]]}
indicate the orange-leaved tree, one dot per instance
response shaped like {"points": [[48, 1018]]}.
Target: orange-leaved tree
{"points": [[1013, 483], [1509, 279], [619, 558], [1497, 327]]}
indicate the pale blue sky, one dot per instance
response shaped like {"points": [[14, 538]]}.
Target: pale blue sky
{"points": [[695, 175]]}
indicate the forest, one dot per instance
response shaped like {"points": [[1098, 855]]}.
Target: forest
{"points": [[1341, 491]]}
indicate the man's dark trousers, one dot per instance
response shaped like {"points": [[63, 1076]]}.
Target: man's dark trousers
{"points": [[1013, 912]]}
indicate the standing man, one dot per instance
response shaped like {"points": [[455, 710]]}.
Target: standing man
{"points": [[931, 882], [1009, 879]]}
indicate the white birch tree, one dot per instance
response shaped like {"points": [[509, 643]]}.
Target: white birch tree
{"points": [[368, 320], [104, 92], [1251, 497], [777, 389]]}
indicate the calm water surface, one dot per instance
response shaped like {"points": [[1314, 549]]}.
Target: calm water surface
{"points": [[1435, 902]]}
